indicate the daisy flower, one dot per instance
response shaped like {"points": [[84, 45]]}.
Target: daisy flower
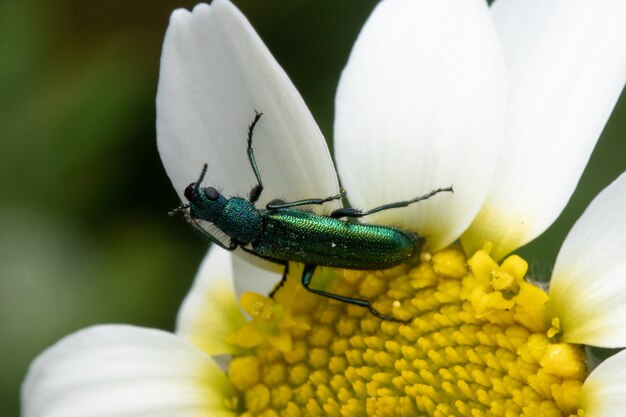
{"points": [[504, 103]]}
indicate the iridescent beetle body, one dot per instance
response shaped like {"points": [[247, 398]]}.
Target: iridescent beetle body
{"points": [[281, 233]]}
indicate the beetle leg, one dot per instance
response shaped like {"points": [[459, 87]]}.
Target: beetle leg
{"points": [[279, 204], [255, 193], [307, 275], [276, 261], [352, 212], [230, 247], [281, 282]]}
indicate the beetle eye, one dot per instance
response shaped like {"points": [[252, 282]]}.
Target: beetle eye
{"points": [[211, 193], [189, 191]]}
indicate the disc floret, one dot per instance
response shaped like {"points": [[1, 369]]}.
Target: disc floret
{"points": [[477, 345]]}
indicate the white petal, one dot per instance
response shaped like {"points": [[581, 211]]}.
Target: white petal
{"points": [[420, 105], [602, 394], [215, 72], [566, 62], [249, 277], [124, 371], [210, 312], [588, 286]]}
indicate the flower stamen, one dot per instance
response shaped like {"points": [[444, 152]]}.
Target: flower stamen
{"points": [[477, 346]]}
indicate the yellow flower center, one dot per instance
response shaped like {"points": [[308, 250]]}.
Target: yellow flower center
{"points": [[478, 344]]}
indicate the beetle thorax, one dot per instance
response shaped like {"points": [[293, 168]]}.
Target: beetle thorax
{"points": [[240, 220]]}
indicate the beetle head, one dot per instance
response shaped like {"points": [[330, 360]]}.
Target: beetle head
{"points": [[205, 203]]}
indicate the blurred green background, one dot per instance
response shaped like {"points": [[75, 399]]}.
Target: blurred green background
{"points": [[84, 232]]}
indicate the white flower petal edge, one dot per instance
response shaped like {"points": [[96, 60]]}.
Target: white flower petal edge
{"points": [[566, 65], [210, 311], [249, 277], [124, 371], [215, 72], [602, 394], [588, 285], [419, 106]]}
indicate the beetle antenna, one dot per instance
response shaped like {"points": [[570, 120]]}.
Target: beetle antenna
{"points": [[202, 174]]}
